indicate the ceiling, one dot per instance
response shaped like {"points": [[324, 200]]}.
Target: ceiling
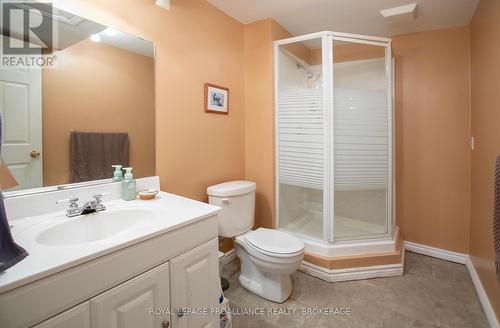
{"points": [[72, 29], [350, 16]]}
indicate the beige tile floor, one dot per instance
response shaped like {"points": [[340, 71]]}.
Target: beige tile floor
{"points": [[431, 293]]}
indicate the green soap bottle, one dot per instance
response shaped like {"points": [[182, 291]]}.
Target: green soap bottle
{"points": [[117, 174], [129, 190]]}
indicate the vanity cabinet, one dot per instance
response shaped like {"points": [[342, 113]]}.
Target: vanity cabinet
{"points": [[181, 293], [129, 304]]}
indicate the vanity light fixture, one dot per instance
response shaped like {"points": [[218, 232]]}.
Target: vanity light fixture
{"points": [[165, 4], [95, 37], [110, 31], [406, 12]]}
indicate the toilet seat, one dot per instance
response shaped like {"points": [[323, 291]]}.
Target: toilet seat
{"points": [[274, 242]]}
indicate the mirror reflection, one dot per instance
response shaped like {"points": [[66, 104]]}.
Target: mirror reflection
{"points": [[94, 109]]}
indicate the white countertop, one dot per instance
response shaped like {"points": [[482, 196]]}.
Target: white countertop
{"points": [[42, 261]]}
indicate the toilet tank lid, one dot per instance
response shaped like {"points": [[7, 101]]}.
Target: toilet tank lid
{"points": [[232, 188]]}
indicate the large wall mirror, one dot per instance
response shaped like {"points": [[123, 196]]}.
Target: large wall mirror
{"points": [[70, 123]]}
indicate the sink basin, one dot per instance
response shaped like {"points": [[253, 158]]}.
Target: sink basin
{"points": [[95, 227]]}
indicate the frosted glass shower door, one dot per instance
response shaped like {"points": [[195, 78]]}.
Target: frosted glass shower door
{"points": [[300, 138], [361, 140]]}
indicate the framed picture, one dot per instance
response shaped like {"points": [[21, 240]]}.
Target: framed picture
{"points": [[216, 99]]}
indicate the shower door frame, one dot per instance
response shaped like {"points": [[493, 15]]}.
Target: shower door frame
{"points": [[327, 40]]}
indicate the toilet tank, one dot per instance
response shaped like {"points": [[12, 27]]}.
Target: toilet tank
{"points": [[237, 200]]}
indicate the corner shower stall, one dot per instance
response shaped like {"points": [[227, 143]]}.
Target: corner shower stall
{"points": [[334, 148]]}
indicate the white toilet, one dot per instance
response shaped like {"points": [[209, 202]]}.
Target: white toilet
{"points": [[268, 257]]}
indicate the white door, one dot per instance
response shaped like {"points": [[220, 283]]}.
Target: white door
{"points": [[21, 110], [194, 280], [76, 317], [129, 305]]}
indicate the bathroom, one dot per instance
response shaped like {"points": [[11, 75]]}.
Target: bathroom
{"points": [[200, 115]]}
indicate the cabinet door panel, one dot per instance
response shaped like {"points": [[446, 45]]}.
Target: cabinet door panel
{"points": [[194, 277], [76, 317], [129, 305]]}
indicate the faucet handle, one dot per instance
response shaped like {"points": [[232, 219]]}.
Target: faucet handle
{"points": [[73, 210], [73, 202], [99, 196], [98, 200]]}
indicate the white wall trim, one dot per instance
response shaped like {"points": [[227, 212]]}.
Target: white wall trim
{"points": [[436, 252], [483, 297], [335, 275], [229, 256], [462, 259]]}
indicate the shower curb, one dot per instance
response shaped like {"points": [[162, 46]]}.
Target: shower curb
{"points": [[337, 275]]}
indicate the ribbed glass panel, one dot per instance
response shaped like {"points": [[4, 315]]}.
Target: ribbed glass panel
{"points": [[299, 137], [300, 125], [361, 143]]}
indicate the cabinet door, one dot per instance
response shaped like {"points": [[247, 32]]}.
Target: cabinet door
{"points": [[194, 277], [76, 317], [134, 303]]}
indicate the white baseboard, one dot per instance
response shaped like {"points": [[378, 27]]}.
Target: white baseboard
{"points": [[335, 275], [229, 256], [436, 252], [483, 297], [462, 259]]}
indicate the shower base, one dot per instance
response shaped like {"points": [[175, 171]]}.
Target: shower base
{"points": [[353, 237], [312, 225]]}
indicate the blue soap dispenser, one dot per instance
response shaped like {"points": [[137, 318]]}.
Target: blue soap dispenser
{"points": [[128, 185], [117, 174]]}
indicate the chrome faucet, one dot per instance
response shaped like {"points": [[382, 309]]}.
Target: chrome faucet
{"points": [[92, 206]]}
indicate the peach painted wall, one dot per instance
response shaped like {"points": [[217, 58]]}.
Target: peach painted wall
{"points": [[259, 112], [485, 46], [193, 149], [432, 137], [98, 88], [259, 118]]}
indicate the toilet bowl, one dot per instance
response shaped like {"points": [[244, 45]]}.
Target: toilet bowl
{"points": [[268, 257], [267, 270]]}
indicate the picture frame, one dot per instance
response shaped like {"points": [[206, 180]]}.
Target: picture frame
{"points": [[216, 99]]}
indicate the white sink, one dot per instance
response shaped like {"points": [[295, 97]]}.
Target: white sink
{"points": [[96, 227]]}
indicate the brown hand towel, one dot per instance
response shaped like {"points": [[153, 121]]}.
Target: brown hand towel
{"points": [[496, 216], [92, 154]]}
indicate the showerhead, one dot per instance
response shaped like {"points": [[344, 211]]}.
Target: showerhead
{"points": [[309, 74]]}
